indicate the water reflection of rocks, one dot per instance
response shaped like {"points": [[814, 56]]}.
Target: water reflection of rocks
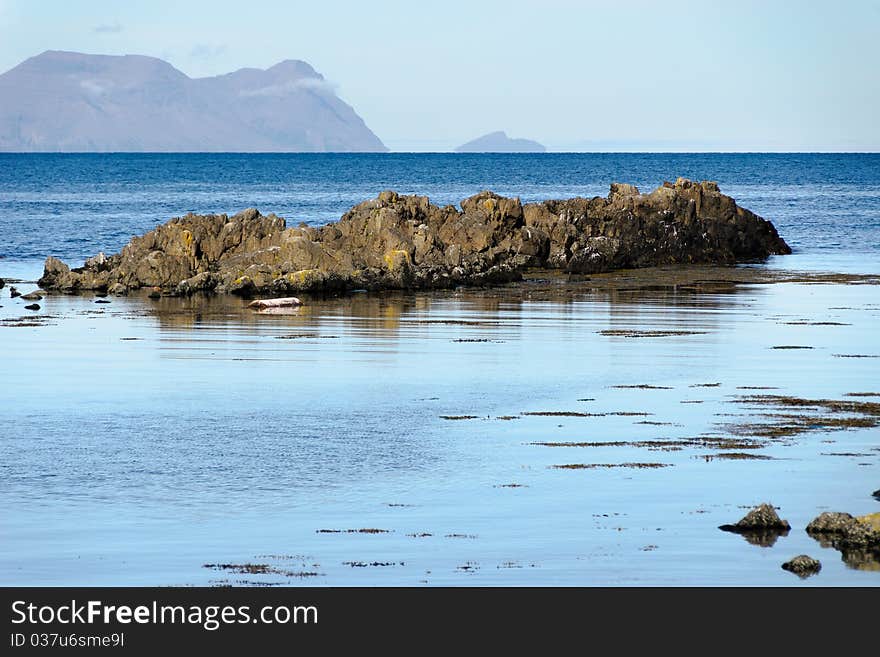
{"points": [[697, 287], [762, 537], [856, 558], [861, 559]]}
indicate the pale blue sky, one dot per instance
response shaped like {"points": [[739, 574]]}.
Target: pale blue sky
{"points": [[591, 75]]}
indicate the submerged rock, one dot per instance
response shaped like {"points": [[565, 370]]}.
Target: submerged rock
{"points": [[32, 306], [406, 242], [803, 566]]}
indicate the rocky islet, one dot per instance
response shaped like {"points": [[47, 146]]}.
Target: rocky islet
{"points": [[406, 242]]}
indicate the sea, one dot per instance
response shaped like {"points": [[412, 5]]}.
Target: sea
{"points": [[534, 434]]}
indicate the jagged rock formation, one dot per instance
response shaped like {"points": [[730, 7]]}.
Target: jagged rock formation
{"points": [[406, 242]]}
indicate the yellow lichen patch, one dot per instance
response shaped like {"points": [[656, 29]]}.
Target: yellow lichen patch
{"points": [[397, 257], [304, 277], [489, 204], [187, 238], [872, 519]]}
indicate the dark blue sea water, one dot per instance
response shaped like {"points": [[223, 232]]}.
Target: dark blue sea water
{"points": [[143, 440], [73, 206]]}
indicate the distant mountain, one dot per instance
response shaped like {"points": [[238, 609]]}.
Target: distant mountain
{"points": [[67, 101], [499, 142]]}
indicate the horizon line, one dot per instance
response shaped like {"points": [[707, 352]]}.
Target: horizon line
{"points": [[391, 152]]}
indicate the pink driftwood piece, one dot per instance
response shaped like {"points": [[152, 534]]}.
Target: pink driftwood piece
{"points": [[284, 302]]}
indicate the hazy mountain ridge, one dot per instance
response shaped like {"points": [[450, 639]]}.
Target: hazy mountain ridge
{"points": [[63, 101]]}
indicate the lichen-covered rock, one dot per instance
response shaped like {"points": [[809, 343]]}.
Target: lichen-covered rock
{"points": [[203, 282], [857, 538], [803, 566], [406, 242], [831, 522]]}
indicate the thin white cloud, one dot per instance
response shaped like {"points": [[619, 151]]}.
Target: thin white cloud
{"points": [[95, 87], [306, 84]]}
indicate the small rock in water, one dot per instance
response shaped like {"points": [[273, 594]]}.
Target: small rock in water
{"points": [[33, 306], [13, 292], [760, 526], [2, 283], [102, 300], [803, 566], [32, 296], [876, 494], [762, 517], [831, 522], [155, 294]]}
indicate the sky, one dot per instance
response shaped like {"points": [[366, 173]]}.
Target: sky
{"points": [[625, 75]]}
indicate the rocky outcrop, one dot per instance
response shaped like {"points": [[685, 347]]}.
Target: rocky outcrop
{"points": [[857, 538], [830, 523], [406, 242], [844, 531]]}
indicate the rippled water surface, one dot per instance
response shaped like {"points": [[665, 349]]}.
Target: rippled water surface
{"points": [[142, 440]]}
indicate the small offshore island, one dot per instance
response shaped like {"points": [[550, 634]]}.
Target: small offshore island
{"points": [[406, 242]]}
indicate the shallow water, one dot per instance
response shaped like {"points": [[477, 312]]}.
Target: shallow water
{"points": [[144, 439]]}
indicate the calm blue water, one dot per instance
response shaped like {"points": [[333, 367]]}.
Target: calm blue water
{"points": [[73, 206], [140, 440]]}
